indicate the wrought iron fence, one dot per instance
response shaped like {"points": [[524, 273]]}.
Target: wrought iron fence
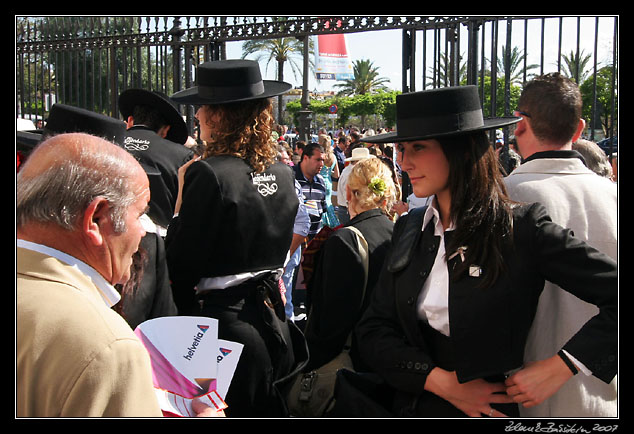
{"points": [[88, 61]]}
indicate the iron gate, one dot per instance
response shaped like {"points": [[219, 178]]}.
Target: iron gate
{"points": [[88, 61]]}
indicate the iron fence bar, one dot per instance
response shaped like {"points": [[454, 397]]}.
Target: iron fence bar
{"points": [[594, 80], [507, 68], [424, 61], [560, 35], [613, 92], [493, 74], [541, 58], [20, 80], [482, 62]]}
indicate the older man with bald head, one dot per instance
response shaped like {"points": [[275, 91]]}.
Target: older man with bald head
{"points": [[79, 200], [84, 196]]}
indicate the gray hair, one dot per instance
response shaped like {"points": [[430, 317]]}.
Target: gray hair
{"points": [[595, 158], [61, 193]]}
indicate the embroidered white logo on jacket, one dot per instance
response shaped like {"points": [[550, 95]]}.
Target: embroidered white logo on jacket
{"points": [[132, 144], [265, 183]]}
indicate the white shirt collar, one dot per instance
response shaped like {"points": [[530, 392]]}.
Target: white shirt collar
{"points": [[432, 212], [108, 292]]}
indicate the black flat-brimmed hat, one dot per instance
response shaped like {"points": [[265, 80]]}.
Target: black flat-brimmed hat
{"points": [[133, 97], [68, 119], [439, 112], [233, 80], [64, 118]]}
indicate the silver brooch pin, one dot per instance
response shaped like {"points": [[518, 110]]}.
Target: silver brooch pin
{"points": [[460, 252], [475, 271]]}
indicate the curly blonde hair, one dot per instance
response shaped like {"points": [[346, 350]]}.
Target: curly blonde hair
{"points": [[370, 181], [243, 130]]}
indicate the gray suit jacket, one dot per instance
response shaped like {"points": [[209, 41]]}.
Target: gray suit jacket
{"points": [[578, 199]]}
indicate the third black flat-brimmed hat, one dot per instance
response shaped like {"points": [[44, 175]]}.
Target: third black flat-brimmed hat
{"points": [[70, 119], [233, 80], [439, 112], [133, 97]]}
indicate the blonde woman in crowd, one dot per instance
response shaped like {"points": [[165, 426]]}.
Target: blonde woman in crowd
{"points": [[336, 297]]}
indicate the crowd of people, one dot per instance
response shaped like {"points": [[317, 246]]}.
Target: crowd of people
{"points": [[487, 288]]}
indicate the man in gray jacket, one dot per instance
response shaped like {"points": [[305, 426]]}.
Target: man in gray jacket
{"points": [[556, 176]]}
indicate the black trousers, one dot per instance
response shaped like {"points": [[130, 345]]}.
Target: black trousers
{"points": [[244, 316]]}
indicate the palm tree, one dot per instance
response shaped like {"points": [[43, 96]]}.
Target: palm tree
{"points": [[366, 79], [442, 75], [516, 70], [574, 61], [281, 50]]}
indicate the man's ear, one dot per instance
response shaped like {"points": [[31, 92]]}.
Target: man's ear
{"points": [[520, 127], [580, 127], [95, 216], [163, 130]]}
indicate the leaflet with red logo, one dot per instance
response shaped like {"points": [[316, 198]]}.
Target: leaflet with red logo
{"points": [[188, 361], [227, 357]]}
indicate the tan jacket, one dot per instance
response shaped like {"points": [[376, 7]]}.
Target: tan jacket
{"points": [[75, 357]]}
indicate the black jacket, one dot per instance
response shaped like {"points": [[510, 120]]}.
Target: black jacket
{"points": [[231, 221], [488, 326], [167, 156], [335, 293]]}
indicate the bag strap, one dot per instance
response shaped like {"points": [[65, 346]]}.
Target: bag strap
{"points": [[365, 260], [365, 255]]}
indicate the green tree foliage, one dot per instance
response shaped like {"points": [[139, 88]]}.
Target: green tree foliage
{"points": [[91, 77], [515, 92], [281, 51], [379, 103], [603, 99], [439, 74], [576, 64], [516, 66]]}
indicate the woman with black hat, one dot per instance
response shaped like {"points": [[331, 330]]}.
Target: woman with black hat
{"points": [[228, 244], [449, 317]]}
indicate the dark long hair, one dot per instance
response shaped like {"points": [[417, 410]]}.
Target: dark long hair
{"points": [[480, 206], [127, 289]]}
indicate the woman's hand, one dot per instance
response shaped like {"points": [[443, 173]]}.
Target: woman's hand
{"points": [[474, 398], [537, 381], [400, 207], [203, 410], [181, 181]]}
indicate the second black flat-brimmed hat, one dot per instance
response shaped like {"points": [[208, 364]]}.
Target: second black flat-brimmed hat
{"points": [[439, 112], [226, 81], [133, 97]]}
